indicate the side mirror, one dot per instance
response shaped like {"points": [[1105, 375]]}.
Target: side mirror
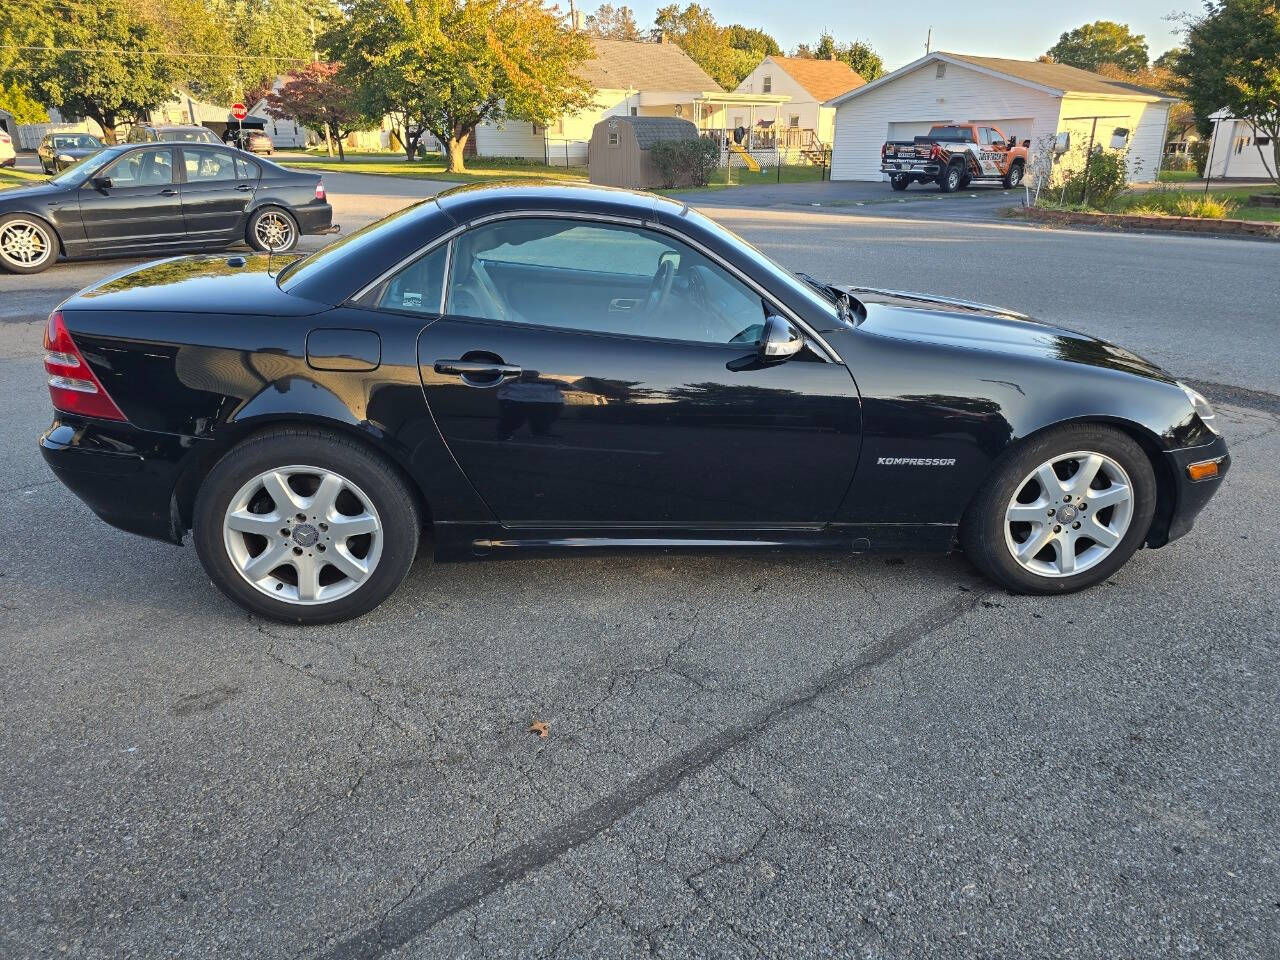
{"points": [[101, 183], [780, 341]]}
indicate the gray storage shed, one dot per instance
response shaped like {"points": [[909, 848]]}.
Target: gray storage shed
{"points": [[619, 151]]}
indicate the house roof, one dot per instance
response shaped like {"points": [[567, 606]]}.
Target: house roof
{"points": [[649, 130], [636, 65], [1055, 78], [822, 79]]}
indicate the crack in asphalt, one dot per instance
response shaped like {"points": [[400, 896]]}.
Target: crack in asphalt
{"points": [[417, 917]]}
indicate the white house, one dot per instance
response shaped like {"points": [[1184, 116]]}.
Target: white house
{"points": [[631, 78], [810, 84], [1233, 150], [1025, 99]]}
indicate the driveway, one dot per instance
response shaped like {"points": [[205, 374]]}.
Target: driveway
{"points": [[779, 755]]}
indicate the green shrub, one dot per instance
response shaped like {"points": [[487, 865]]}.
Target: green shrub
{"points": [[1199, 153], [685, 163], [1106, 181], [1177, 203], [1179, 162]]}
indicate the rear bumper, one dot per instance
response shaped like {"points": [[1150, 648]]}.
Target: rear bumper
{"points": [[314, 217], [1190, 496], [898, 168], [124, 475]]}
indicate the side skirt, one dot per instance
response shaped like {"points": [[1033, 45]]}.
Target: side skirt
{"points": [[468, 541]]}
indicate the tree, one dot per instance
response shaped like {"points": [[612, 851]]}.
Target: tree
{"points": [[1232, 62], [103, 61], [858, 54], [613, 23], [728, 54], [1090, 46], [447, 66], [319, 100], [25, 109]]}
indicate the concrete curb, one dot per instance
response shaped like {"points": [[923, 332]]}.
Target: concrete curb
{"points": [[1126, 221]]}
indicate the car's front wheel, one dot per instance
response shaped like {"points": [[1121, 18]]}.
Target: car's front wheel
{"points": [[272, 229], [27, 244], [1063, 512], [304, 526]]}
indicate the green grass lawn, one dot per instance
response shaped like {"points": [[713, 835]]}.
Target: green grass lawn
{"points": [[1178, 176], [433, 168], [1238, 198], [791, 173], [10, 177]]}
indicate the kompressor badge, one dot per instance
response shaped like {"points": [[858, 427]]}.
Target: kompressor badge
{"points": [[916, 461]]}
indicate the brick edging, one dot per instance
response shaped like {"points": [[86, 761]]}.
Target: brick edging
{"points": [[1128, 221]]}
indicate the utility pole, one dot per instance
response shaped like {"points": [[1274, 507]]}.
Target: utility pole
{"points": [[928, 41]]}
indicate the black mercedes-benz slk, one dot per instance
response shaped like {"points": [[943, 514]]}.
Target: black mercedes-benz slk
{"points": [[152, 198], [540, 366]]}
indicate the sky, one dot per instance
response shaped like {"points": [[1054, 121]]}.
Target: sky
{"points": [[897, 31]]}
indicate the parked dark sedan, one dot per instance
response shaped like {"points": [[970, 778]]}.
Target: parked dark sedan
{"points": [[141, 199], [60, 150], [170, 133], [550, 367]]}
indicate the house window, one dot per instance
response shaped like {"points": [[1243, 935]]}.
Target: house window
{"points": [[767, 85], [679, 110], [794, 121], [635, 111], [539, 130], [942, 70], [1261, 141], [613, 139]]}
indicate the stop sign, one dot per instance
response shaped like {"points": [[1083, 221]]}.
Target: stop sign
{"points": [[238, 111]]}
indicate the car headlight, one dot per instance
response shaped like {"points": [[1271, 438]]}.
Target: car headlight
{"points": [[1201, 405]]}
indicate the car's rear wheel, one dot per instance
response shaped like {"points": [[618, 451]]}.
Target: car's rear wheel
{"points": [[272, 228], [304, 526], [27, 244], [949, 180], [1063, 512], [900, 181]]}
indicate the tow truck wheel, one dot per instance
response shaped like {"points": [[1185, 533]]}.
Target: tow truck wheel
{"points": [[1013, 177], [949, 181], [900, 181]]}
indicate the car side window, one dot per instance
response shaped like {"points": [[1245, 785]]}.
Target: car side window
{"points": [[208, 165], [141, 168], [246, 169], [599, 278], [984, 135], [419, 286]]}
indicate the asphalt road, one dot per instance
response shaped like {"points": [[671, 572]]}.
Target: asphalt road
{"points": [[768, 755]]}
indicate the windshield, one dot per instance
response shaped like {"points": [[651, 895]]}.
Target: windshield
{"points": [[188, 136], [79, 171], [75, 141]]}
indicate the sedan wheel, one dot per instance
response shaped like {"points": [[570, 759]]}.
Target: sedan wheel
{"points": [[303, 534], [1069, 514], [273, 230], [27, 245], [1062, 511], [305, 526]]}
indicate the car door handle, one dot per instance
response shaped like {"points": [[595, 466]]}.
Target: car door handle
{"points": [[476, 373], [244, 187], [168, 193]]}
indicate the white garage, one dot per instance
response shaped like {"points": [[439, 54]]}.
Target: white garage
{"points": [[1025, 99]]}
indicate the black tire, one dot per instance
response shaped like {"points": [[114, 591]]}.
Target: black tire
{"points": [[1014, 176], [949, 179], [253, 233], [965, 181], [900, 181], [377, 479], [983, 530], [23, 235]]}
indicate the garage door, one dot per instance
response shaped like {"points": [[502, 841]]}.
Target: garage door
{"points": [[908, 131], [1019, 127]]}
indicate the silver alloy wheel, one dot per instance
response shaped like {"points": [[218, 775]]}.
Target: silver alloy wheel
{"points": [[1015, 176], [1068, 514], [25, 243], [302, 534], [274, 230]]}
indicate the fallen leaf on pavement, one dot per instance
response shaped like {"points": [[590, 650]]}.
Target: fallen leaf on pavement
{"points": [[540, 727]]}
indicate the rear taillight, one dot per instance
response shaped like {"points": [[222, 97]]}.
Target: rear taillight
{"points": [[72, 385], [320, 189]]}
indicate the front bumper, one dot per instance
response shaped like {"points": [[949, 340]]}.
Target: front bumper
{"points": [[1189, 496], [125, 475]]}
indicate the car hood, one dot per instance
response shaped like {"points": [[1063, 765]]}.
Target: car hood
{"points": [[205, 284], [34, 190], [977, 326]]}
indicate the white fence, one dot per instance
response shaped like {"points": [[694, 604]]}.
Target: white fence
{"points": [[29, 135]]}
